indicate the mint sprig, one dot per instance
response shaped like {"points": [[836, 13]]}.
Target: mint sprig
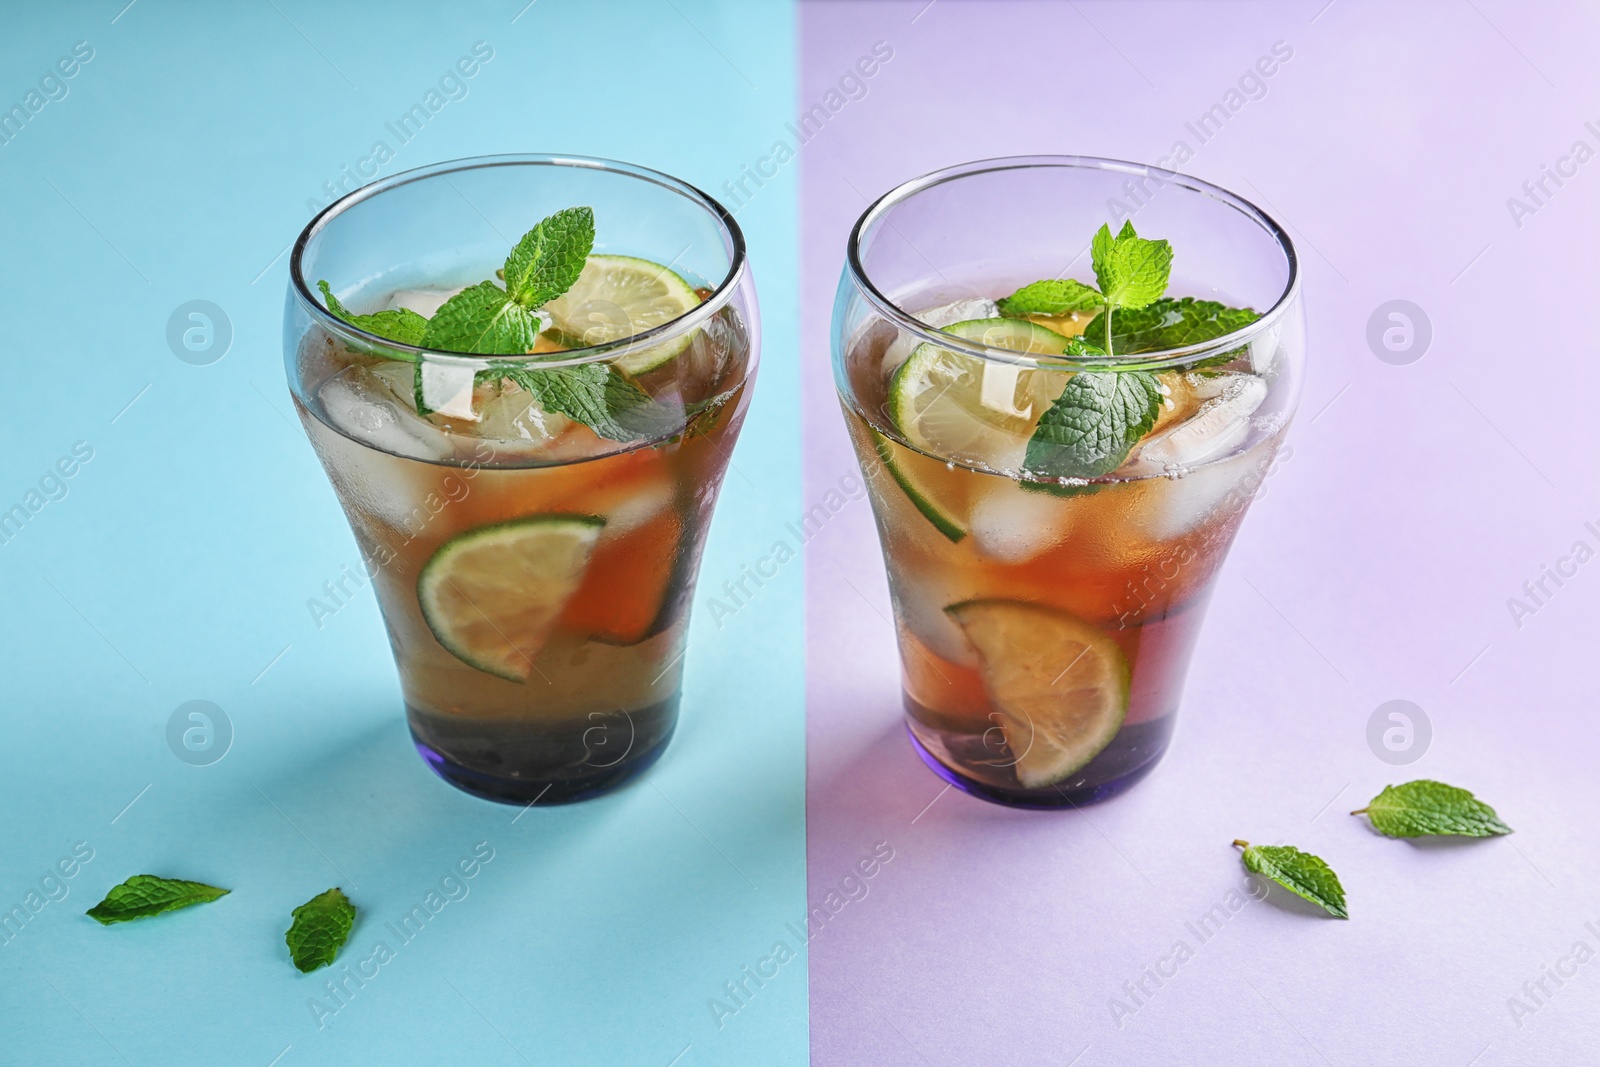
{"points": [[1101, 414], [1093, 424], [486, 320], [1053, 296], [320, 928], [1169, 323], [1132, 273], [490, 320], [549, 258], [594, 394], [403, 325], [1426, 808], [1131, 270], [483, 320], [144, 895], [1300, 873]]}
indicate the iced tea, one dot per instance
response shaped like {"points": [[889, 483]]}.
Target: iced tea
{"points": [[533, 524], [1057, 468]]}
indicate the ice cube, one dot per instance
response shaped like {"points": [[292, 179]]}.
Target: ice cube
{"points": [[1171, 506], [997, 390], [639, 506], [1013, 525], [447, 389], [362, 406], [943, 315], [425, 302], [1220, 425], [959, 311], [398, 377], [513, 424], [920, 597]]}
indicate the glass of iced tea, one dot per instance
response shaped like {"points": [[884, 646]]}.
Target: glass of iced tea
{"points": [[1065, 378], [523, 376]]}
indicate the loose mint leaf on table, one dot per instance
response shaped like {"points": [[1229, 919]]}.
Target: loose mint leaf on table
{"points": [[1300, 873], [1168, 323], [483, 320], [148, 894], [401, 325], [1131, 270], [549, 258], [1053, 296], [1093, 424], [320, 928], [1425, 808]]}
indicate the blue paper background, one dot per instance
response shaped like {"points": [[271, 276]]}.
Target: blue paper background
{"points": [[186, 155]]}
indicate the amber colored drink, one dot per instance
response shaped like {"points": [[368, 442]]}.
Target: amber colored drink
{"points": [[1135, 558], [592, 700], [1058, 468], [532, 522]]}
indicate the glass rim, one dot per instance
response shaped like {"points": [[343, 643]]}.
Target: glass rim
{"points": [[1153, 360], [721, 293]]}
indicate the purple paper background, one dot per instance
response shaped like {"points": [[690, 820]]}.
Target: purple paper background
{"points": [[1377, 565]]}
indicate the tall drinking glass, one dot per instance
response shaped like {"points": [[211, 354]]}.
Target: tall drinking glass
{"points": [[1046, 622], [532, 524]]}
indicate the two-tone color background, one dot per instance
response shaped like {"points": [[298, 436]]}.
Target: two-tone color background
{"points": [[1423, 496]]}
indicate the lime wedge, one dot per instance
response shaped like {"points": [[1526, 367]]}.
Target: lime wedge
{"points": [[491, 595], [960, 407], [616, 297], [1060, 686], [942, 518]]}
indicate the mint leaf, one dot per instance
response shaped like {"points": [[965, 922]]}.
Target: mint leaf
{"points": [[1131, 270], [401, 325], [595, 394], [1053, 296], [333, 302], [487, 320], [1093, 424], [1168, 323], [320, 928], [577, 392], [148, 894], [550, 257], [635, 413], [1300, 873], [483, 320], [1423, 808]]}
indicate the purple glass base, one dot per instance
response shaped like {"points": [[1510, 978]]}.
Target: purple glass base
{"points": [[529, 791], [540, 762], [1066, 795]]}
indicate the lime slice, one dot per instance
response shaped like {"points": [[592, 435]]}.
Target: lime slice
{"points": [[957, 406], [617, 297], [1060, 686], [491, 595], [943, 520]]}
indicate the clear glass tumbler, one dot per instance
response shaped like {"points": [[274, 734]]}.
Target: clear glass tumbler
{"points": [[534, 559], [1046, 623]]}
